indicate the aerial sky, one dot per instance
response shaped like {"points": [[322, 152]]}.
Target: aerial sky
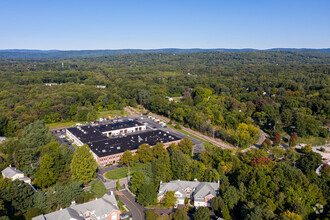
{"points": [[151, 24]]}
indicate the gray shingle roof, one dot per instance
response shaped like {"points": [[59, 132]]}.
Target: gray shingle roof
{"points": [[199, 189], [100, 207], [10, 172]]}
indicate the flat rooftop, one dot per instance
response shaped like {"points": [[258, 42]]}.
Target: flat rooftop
{"points": [[102, 145], [130, 142], [87, 134], [118, 125]]}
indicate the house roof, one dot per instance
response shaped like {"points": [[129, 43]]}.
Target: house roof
{"points": [[199, 189], [2, 138], [101, 207], [10, 172]]}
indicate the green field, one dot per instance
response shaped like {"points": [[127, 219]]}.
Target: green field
{"points": [[314, 141], [112, 113], [58, 125], [122, 172]]}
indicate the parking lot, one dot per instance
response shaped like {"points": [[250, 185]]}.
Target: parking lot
{"points": [[60, 135], [150, 123]]}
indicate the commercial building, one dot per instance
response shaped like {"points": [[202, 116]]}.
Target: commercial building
{"points": [[200, 192], [103, 208], [109, 142]]}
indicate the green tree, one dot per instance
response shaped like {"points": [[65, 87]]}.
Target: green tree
{"points": [[36, 134], [211, 175], [33, 212], [39, 200], [180, 214], [169, 199], [186, 145], [147, 194], [136, 182], [83, 165], [118, 185], [151, 215], [246, 134], [202, 213], [128, 159], [231, 196], [180, 165], [45, 174], [145, 153], [98, 188], [307, 149], [309, 162], [161, 169], [159, 151]]}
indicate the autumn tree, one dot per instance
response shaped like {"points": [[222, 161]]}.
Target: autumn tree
{"points": [[277, 138], [293, 139]]}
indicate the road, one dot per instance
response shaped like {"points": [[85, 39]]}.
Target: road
{"points": [[136, 209], [214, 141], [262, 138]]}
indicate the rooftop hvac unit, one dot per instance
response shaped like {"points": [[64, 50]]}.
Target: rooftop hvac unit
{"points": [[103, 151], [118, 148], [140, 139]]}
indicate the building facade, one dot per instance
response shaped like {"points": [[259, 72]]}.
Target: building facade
{"points": [[201, 193], [109, 142]]}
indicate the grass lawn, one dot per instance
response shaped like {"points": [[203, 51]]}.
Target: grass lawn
{"points": [[112, 113], [314, 141], [122, 172], [58, 125]]}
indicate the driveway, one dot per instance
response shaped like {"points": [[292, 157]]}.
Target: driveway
{"points": [[136, 209]]}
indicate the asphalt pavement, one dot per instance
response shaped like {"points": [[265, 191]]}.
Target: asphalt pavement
{"points": [[136, 209]]}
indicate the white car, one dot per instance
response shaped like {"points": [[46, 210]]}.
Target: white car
{"points": [[124, 216]]}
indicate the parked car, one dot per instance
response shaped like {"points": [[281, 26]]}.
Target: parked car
{"points": [[124, 216]]}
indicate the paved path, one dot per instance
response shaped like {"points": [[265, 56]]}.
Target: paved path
{"points": [[136, 209]]}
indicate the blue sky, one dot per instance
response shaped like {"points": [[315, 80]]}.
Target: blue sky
{"points": [[144, 24]]}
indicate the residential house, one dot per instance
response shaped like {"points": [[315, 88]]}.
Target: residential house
{"points": [[15, 174], [103, 208], [200, 192]]}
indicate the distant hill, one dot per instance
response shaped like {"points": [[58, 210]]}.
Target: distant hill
{"points": [[51, 54]]}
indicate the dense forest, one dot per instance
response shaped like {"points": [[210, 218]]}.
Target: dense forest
{"points": [[232, 94], [286, 91]]}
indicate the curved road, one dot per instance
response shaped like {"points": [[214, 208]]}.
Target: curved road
{"points": [[136, 209]]}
